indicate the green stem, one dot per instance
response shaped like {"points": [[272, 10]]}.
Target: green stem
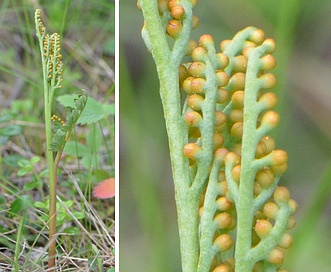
{"points": [[48, 93], [207, 126], [52, 180], [245, 203], [207, 225], [49, 88], [52, 207], [266, 245], [187, 201], [167, 64]]}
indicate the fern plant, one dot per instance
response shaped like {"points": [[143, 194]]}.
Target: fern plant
{"points": [[52, 65], [232, 214]]}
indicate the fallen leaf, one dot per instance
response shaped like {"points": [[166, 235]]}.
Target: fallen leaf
{"points": [[105, 189]]}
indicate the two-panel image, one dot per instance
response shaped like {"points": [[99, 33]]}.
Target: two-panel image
{"points": [[165, 136]]}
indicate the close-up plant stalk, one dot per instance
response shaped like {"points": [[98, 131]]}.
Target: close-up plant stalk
{"points": [[232, 213], [52, 65]]}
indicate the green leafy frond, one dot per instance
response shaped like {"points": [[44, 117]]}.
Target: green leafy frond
{"points": [[63, 130]]}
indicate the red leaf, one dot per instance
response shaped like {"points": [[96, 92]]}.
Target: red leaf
{"points": [[105, 189]]}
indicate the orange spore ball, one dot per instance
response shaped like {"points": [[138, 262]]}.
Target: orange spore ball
{"points": [[257, 36], [223, 219], [270, 119], [206, 41], [270, 210], [187, 85], [270, 45], [223, 60], [232, 158], [220, 118], [171, 4], [222, 78], [268, 62], [177, 12], [192, 150], [263, 228], [223, 242], [239, 63], [268, 81], [223, 203], [237, 81], [193, 118], [174, 27], [293, 206], [237, 99], [269, 100], [279, 157], [291, 222], [197, 69], [265, 146], [218, 140], [236, 115], [236, 171], [220, 154], [197, 85], [281, 195], [265, 178], [279, 169], [287, 241], [195, 101], [237, 130], [276, 256], [223, 267], [199, 53], [222, 95]]}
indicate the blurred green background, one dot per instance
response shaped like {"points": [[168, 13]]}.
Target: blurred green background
{"points": [[302, 30]]}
